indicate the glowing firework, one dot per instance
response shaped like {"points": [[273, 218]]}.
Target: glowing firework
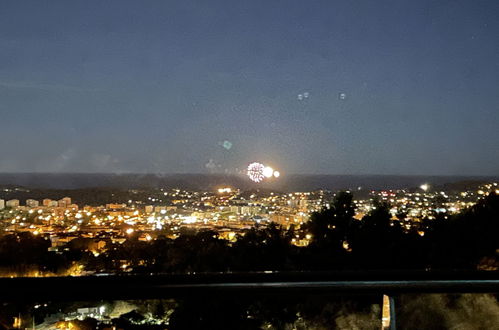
{"points": [[256, 172], [268, 172]]}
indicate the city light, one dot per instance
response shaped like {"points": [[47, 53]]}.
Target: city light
{"points": [[190, 220]]}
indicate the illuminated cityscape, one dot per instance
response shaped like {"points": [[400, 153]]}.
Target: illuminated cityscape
{"points": [[227, 211]]}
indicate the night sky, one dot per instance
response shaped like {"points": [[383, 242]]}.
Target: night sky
{"points": [[329, 87]]}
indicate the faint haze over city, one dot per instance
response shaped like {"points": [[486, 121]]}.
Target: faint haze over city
{"points": [[330, 87]]}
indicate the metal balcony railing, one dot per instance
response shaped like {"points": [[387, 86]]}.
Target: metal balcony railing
{"points": [[153, 286]]}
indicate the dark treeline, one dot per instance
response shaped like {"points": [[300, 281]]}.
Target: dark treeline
{"points": [[466, 241]]}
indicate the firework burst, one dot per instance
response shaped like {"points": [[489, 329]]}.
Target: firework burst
{"points": [[256, 172]]}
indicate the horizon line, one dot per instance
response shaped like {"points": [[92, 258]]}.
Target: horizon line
{"points": [[240, 174]]}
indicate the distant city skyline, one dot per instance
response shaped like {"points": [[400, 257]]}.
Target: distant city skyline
{"points": [[323, 87]]}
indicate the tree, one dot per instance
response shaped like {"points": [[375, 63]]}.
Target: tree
{"points": [[332, 226]]}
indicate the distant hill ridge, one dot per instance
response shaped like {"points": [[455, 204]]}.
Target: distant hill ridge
{"points": [[296, 182]]}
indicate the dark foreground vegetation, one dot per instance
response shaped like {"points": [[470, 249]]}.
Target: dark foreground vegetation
{"points": [[414, 312]]}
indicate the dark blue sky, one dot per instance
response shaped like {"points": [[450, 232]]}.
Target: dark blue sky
{"points": [[157, 86]]}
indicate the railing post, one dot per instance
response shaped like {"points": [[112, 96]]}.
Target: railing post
{"points": [[388, 313]]}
